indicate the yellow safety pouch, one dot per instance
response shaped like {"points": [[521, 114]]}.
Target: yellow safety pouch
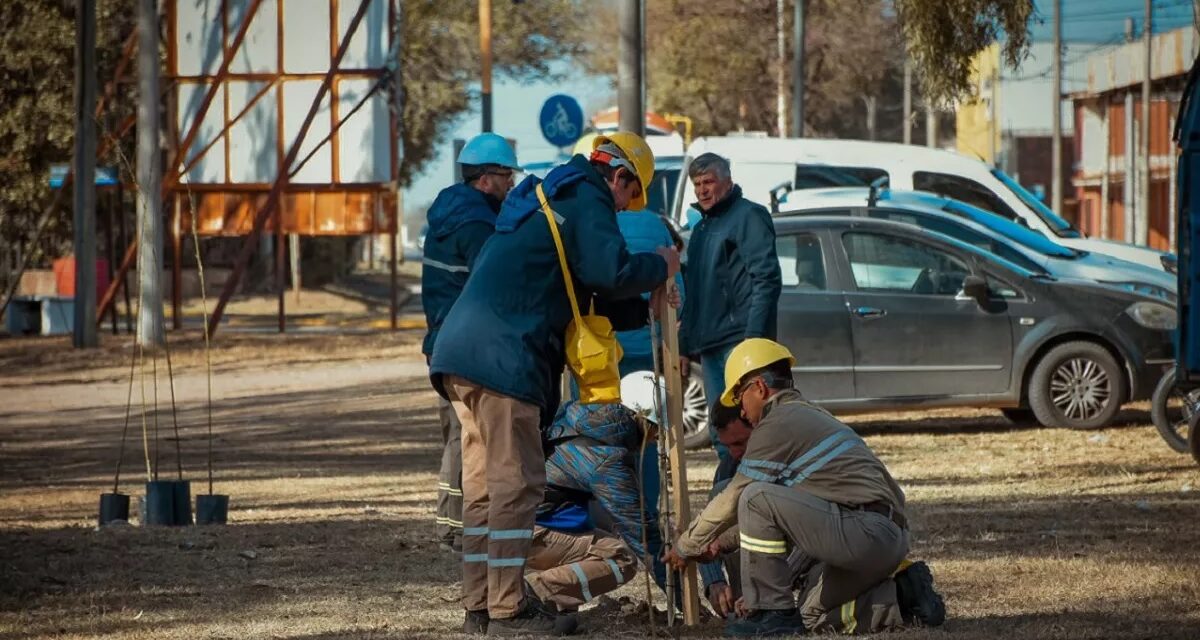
{"points": [[591, 344]]}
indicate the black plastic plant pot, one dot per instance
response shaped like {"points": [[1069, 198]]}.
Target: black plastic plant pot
{"points": [[183, 503], [160, 503], [212, 509], [114, 507]]}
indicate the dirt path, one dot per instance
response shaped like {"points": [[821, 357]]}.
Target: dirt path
{"points": [[328, 448]]}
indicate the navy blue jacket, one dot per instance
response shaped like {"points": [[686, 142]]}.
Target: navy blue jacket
{"points": [[461, 219], [733, 280], [507, 330]]}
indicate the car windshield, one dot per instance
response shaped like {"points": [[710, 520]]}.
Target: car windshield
{"points": [[1061, 227], [1012, 231]]}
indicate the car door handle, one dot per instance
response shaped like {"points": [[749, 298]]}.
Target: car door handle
{"points": [[869, 312]]}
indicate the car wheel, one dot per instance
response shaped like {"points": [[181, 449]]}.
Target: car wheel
{"points": [[1170, 420], [1077, 385], [1019, 415], [1194, 436], [695, 411]]}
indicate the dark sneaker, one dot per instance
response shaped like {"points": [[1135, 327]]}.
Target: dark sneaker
{"points": [[476, 622], [765, 623], [534, 619], [919, 603]]}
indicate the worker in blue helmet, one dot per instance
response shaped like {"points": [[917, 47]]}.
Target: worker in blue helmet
{"points": [[461, 219]]}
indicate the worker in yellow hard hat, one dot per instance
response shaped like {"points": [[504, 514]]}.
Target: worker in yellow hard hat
{"points": [[808, 484], [501, 351]]}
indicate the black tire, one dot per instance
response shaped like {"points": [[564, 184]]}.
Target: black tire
{"points": [[695, 411], [1076, 385], [1020, 415], [1171, 421]]}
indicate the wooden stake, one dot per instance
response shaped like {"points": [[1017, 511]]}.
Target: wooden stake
{"points": [[675, 436]]}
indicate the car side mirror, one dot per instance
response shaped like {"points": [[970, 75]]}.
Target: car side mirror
{"points": [[974, 288]]}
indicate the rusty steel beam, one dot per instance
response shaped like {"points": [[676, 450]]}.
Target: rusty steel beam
{"points": [[276, 194], [172, 178]]}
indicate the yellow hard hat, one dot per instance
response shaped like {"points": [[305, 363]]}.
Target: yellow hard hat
{"points": [[584, 145], [638, 153], [750, 355]]}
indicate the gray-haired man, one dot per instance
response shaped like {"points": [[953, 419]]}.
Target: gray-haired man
{"points": [[733, 280]]}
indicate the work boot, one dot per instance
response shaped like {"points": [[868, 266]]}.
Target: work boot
{"points": [[766, 623], [451, 543], [919, 604], [534, 619], [476, 622]]}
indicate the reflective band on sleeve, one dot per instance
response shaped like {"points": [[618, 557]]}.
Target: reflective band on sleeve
{"points": [[475, 531], [755, 474], [616, 571], [820, 448], [475, 557], [510, 534], [766, 464], [506, 562], [583, 582], [430, 262]]}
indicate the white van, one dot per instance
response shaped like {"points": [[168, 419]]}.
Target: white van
{"points": [[761, 165]]}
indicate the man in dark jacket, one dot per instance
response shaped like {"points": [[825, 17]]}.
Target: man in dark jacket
{"points": [[732, 280], [461, 219], [500, 353]]}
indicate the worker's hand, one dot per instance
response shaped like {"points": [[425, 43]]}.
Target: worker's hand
{"points": [[739, 607], [685, 366], [711, 552], [671, 255], [720, 597], [674, 560], [672, 296]]}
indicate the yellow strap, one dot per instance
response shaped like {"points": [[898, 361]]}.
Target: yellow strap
{"points": [[562, 256]]}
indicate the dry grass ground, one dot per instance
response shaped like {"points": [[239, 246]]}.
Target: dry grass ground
{"points": [[328, 447]]}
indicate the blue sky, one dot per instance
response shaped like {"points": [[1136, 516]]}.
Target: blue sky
{"points": [[1104, 20]]}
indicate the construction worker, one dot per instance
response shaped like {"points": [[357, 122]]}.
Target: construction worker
{"points": [[461, 219], [601, 476], [871, 612], [733, 279], [809, 485], [500, 352]]}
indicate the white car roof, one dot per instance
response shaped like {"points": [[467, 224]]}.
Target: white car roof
{"points": [[825, 151]]}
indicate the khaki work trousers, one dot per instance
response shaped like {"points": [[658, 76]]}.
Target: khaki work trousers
{"points": [[574, 568], [504, 477], [857, 551], [449, 488]]}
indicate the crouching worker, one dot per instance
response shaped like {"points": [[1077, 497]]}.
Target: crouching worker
{"points": [[808, 488], [595, 523]]}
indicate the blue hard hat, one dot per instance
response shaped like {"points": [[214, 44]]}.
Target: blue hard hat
{"points": [[489, 148]]}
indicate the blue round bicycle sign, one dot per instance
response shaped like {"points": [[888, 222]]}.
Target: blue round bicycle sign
{"points": [[561, 120]]}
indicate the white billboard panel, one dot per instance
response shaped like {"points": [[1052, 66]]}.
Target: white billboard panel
{"points": [[298, 96], [259, 52], [253, 141], [363, 148], [211, 167]]}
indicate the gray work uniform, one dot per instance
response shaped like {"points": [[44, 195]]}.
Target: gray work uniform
{"points": [[809, 484]]}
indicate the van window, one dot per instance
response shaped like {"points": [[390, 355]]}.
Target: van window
{"points": [[800, 262], [662, 190], [964, 189], [818, 176]]}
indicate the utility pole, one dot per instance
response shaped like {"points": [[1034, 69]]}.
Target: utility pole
{"points": [[1143, 199], [780, 76], [149, 174], [485, 55], [798, 79], [1056, 176], [908, 99], [631, 109], [84, 332]]}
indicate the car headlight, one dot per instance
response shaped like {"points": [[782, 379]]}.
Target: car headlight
{"points": [[1170, 263], [1152, 315], [1146, 289]]}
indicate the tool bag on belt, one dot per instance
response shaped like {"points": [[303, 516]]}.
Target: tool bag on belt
{"points": [[591, 345]]}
